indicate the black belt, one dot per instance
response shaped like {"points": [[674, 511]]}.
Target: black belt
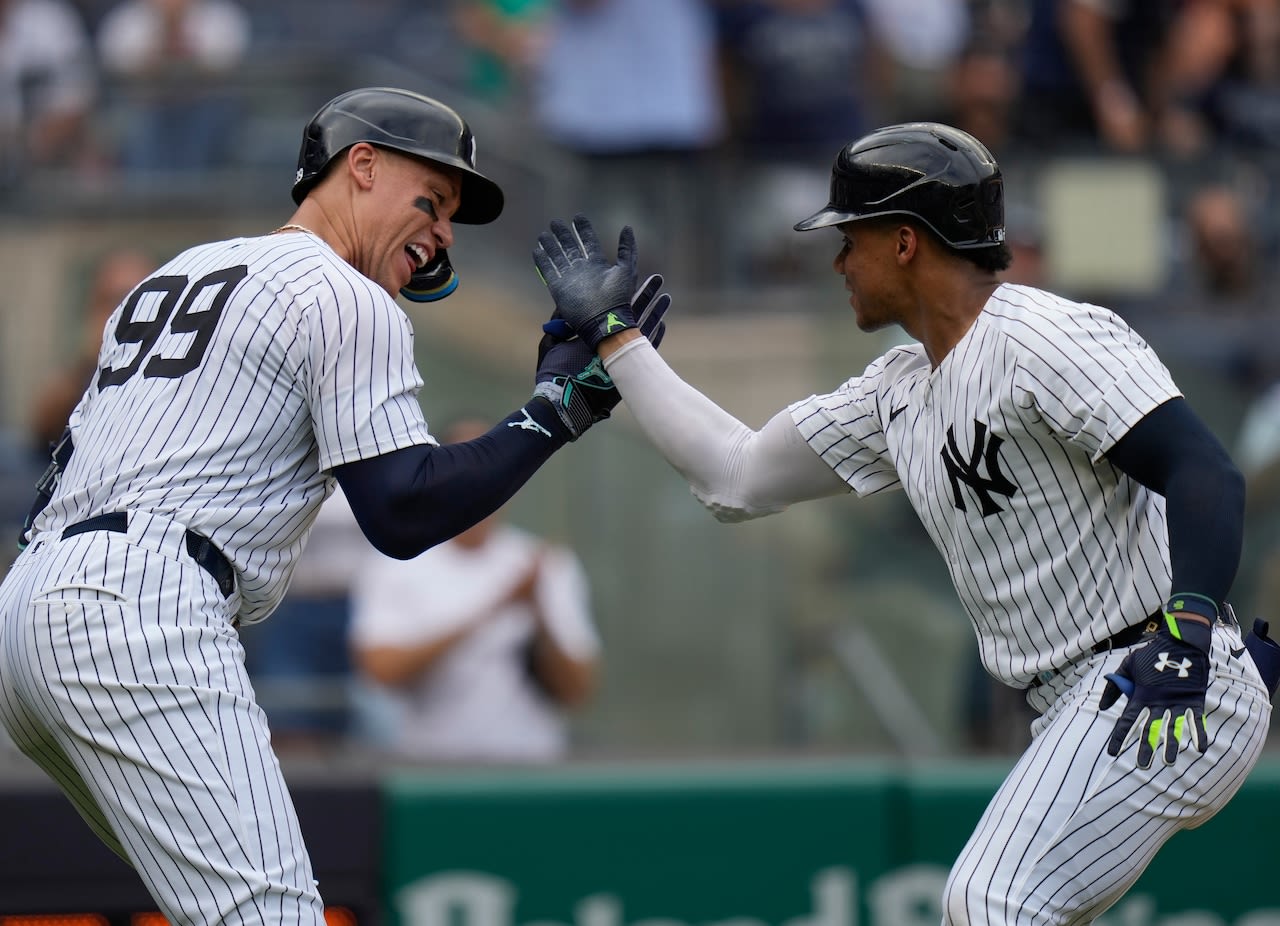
{"points": [[1126, 637], [202, 550], [1130, 635]]}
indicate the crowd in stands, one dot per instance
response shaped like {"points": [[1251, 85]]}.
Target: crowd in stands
{"points": [[710, 125], [154, 84]]}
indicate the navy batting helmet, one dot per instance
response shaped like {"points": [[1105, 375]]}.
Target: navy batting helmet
{"points": [[403, 121], [942, 176]]}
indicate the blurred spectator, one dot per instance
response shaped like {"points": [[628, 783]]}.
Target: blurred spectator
{"points": [[478, 645], [1094, 72], [47, 86], [981, 93], [114, 275], [92, 12], [504, 39], [173, 65], [332, 36], [1225, 70], [628, 90], [798, 80], [1217, 313], [298, 659], [921, 39]]}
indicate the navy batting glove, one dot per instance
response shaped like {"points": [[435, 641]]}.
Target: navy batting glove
{"points": [[591, 294], [1165, 680], [572, 378]]}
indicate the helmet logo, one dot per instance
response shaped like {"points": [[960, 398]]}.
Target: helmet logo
{"points": [[298, 176]]}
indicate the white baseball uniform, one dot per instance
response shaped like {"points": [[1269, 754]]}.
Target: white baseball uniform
{"points": [[229, 382], [1051, 549], [478, 702]]}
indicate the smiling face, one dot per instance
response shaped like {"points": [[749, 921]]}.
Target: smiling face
{"points": [[404, 214], [867, 261]]}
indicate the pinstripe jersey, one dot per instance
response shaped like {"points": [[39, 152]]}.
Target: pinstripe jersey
{"points": [[228, 384], [1000, 451]]}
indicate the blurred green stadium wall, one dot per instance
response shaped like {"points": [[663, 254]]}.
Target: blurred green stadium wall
{"points": [[839, 844]]}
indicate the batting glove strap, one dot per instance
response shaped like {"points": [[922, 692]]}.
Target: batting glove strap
{"points": [[580, 400], [1165, 679], [608, 322]]}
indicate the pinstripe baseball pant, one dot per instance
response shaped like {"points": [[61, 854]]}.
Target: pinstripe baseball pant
{"points": [[1071, 828], [122, 677]]}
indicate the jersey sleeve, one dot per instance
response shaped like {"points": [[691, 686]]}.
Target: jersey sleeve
{"points": [[362, 380], [1090, 376], [843, 428]]}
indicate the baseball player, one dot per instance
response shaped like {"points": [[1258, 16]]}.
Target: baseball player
{"points": [[1090, 522], [235, 387]]}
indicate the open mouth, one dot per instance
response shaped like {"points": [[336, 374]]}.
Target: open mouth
{"points": [[417, 255]]}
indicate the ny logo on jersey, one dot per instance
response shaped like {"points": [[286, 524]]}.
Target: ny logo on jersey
{"points": [[986, 449], [1166, 663]]}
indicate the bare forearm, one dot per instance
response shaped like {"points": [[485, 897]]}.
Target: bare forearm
{"points": [[398, 665], [568, 680]]}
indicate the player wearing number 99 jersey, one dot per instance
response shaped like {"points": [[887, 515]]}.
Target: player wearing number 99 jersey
{"points": [[234, 387], [1090, 521]]}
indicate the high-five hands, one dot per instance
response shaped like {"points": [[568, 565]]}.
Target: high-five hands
{"points": [[592, 295], [572, 378]]}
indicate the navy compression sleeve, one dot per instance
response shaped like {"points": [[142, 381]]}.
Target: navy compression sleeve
{"points": [[1172, 452], [409, 500]]}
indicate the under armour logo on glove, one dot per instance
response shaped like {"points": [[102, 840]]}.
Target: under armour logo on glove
{"points": [[1165, 662], [1163, 707]]}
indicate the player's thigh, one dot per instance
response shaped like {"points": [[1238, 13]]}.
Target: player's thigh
{"points": [[26, 727], [142, 686], [1071, 828]]}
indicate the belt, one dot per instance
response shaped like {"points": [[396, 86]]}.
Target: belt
{"points": [[207, 556], [1121, 638], [1130, 635]]}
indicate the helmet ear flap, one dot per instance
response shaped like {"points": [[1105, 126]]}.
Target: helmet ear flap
{"points": [[433, 281]]}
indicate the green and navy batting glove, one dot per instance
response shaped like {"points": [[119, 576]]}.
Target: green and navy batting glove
{"points": [[572, 378], [592, 295], [1165, 679]]}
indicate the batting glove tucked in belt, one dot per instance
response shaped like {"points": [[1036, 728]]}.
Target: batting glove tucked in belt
{"points": [[1166, 679], [571, 377]]}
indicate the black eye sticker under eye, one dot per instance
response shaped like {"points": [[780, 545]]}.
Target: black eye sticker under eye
{"points": [[426, 206]]}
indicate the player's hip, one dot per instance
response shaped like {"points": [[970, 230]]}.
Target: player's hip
{"points": [[68, 582], [116, 541]]}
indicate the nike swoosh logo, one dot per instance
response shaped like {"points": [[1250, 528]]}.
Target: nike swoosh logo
{"points": [[1237, 653], [894, 413]]}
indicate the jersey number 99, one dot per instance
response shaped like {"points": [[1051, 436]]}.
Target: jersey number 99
{"points": [[188, 319]]}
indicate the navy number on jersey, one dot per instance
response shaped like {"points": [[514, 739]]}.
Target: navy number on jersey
{"points": [[158, 296]]}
